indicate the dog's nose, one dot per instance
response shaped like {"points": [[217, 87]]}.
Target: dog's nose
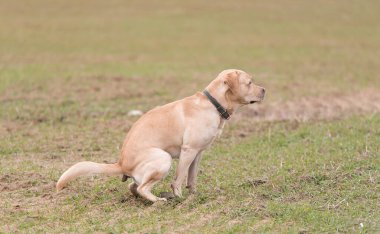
{"points": [[263, 91]]}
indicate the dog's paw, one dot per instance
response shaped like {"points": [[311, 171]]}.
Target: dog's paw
{"points": [[192, 189], [177, 190]]}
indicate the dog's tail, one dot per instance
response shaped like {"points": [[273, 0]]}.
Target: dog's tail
{"points": [[86, 169]]}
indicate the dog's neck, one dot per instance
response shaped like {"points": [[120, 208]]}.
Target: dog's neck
{"points": [[220, 93]]}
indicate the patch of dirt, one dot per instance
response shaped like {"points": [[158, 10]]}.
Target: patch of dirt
{"points": [[25, 191], [34, 181], [201, 221], [187, 215], [260, 224], [333, 106], [254, 182]]}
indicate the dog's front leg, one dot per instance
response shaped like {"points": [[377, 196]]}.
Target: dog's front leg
{"points": [[186, 158], [193, 171]]}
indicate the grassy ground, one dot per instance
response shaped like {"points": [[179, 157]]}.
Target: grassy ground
{"points": [[70, 72]]}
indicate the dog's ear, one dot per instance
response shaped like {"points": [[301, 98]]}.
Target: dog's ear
{"points": [[232, 80]]}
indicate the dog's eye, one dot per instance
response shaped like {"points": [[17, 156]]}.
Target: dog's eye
{"points": [[250, 83]]}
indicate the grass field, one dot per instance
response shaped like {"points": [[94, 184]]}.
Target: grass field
{"points": [[306, 160]]}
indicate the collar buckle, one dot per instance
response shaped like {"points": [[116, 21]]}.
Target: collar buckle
{"points": [[224, 113]]}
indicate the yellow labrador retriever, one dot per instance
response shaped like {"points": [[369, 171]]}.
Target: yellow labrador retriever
{"points": [[181, 129]]}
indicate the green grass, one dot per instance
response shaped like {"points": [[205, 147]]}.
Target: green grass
{"points": [[320, 177], [70, 72]]}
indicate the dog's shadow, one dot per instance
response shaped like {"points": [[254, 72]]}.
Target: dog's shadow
{"points": [[139, 201]]}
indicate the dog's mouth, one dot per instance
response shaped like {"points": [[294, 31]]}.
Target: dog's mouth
{"points": [[256, 101]]}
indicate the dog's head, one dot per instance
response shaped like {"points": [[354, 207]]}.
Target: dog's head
{"points": [[239, 87]]}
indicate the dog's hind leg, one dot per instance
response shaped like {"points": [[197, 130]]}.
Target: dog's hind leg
{"points": [[152, 170], [145, 191]]}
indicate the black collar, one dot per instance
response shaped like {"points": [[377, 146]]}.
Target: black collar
{"points": [[223, 112]]}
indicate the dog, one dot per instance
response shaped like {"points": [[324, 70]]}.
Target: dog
{"points": [[182, 129]]}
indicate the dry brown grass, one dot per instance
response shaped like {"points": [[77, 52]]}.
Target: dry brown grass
{"points": [[327, 107]]}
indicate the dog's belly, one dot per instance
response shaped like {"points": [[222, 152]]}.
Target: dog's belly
{"points": [[174, 151]]}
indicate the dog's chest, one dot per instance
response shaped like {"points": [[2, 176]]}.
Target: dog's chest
{"points": [[219, 131], [212, 132]]}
